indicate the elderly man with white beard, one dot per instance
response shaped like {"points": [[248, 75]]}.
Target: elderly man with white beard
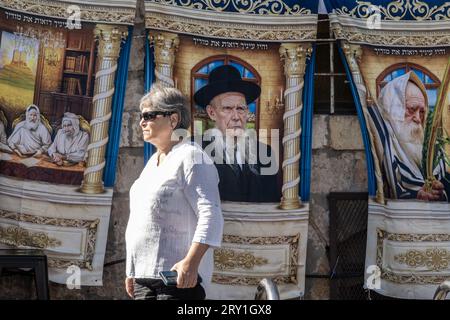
{"points": [[30, 137], [400, 124], [70, 142], [3, 139]]}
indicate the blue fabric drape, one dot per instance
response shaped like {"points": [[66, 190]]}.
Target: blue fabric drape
{"points": [[115, 124], [362, 123], [148, 80], [306, 120]]}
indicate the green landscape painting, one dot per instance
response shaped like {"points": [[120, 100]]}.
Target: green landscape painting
{"points": [[18, 65]]}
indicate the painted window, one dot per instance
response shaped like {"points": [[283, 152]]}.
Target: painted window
{"points": [[430, 81]]}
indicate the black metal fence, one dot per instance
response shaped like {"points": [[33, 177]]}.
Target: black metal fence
{"points": [[348, 235]]}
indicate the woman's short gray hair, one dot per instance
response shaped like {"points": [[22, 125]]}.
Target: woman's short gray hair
{"points": [[168, 99]]}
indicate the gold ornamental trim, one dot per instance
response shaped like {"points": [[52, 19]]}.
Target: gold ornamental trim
{"points": [[90, 225], [398, 10], [266, 7], [391, 38], [215, 29], [434, 259], [250, 281], [57, 9], [18, 236], [227, 259], [414, 237], [291, 277], [412, 278], [293, 240]]}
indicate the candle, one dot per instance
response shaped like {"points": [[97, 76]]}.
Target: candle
{"points": [[281, 94], [269, 94]]}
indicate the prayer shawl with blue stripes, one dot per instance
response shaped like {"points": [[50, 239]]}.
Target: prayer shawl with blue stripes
{"points": [[402, 177]]}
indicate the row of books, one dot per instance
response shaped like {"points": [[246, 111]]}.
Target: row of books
{"points": [[72, 86], [76, 64]]}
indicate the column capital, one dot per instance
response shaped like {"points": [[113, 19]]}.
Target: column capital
{"points": [[352, 50], [109, 38], [165, 44], [294, 56]]}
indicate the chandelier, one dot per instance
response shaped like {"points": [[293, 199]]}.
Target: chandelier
{"points": [[51, 42], [23, 43]]}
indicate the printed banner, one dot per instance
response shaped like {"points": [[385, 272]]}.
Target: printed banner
{"points": [[49, 67], [398, 59]]}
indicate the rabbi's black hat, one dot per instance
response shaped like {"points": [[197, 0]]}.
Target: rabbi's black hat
{"points": [[226, 79]]}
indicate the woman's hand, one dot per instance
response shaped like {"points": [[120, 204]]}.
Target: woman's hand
{"points": [[187, 268], [129, 286], [187, 274]]}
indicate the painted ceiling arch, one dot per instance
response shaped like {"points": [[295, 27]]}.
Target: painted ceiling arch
{"points": [[111, 11], [401, 23], [254, 20]]}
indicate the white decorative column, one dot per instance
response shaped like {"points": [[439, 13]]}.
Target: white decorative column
{"points": [[353, 54], [165, 45], [294, 57], [109, 39]]}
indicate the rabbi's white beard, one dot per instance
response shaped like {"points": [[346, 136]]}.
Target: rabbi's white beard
{"points": [[30, 125], [410, 135]]}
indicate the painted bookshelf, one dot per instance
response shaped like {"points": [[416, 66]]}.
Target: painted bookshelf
{"points": [[78, 67]]}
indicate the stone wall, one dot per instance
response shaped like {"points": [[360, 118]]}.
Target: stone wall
{"points": [[338, 165]]}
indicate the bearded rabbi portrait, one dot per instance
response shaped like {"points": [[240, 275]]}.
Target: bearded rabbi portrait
{"points": [[400, 118]]}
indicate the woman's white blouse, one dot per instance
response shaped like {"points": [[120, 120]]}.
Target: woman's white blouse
{"points": [[171, 206]]}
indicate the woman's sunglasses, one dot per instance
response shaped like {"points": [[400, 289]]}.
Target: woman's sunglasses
{"points": [[151, 115]]}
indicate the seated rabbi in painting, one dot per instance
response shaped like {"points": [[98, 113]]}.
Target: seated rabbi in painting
{"points": [[31, 137], [70, 143]]}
